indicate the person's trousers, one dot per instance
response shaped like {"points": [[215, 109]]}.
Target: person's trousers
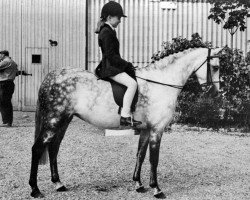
{"points": [[6, 91]]}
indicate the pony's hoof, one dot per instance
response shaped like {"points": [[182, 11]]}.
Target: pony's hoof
{"points": [[158, 193], [61, 189], [36, 194], [139, 188]]}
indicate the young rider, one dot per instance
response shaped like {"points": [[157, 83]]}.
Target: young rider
{"points": [[113, 66]]}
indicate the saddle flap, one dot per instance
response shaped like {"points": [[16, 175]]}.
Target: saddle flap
{"points": [[118, 93]]}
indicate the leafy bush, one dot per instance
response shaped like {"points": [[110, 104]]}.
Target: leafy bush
{"points": [[235, 87]]}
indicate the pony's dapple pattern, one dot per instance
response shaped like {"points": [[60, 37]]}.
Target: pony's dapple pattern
{"points": [[76, 92]]}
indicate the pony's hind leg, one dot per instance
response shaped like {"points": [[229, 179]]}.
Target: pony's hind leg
{"points": [[37, 151], [53, 152], [141, 153], [49, 134]]}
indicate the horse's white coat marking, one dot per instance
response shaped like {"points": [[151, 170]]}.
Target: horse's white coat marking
{"points": [[49, 135]]}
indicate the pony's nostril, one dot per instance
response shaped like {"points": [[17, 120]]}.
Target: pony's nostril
{"points": [[216, 94]]}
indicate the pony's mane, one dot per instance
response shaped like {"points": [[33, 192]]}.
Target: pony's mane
{"points": [[179, 44], [170, 59]]}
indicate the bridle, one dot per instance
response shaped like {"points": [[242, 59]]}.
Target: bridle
{"points": [[209, 82]]}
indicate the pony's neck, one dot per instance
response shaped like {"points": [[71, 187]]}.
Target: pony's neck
{"points": [[175, 69]]}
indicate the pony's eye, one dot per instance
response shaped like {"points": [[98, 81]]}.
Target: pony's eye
{"points": [[215, 68]]}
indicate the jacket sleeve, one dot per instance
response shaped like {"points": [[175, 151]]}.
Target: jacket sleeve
{"points": [[110, 53], [4, 64]]}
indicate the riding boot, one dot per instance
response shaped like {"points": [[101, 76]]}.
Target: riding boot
{"points": [[128, 121]]}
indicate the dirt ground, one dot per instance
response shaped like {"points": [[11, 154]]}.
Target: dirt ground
{"points": [[194, 165]]}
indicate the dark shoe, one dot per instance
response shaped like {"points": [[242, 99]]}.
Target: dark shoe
{"points": [[6, 125], [127, 121]]}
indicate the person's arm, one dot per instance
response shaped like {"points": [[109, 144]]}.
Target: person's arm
{"points": [[23, 73], [4, 64]]}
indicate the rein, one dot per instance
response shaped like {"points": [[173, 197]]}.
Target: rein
{"points": [[209, 78], [170, 85]]}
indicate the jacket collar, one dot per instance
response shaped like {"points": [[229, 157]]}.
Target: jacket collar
{"points": [[108, 26]]}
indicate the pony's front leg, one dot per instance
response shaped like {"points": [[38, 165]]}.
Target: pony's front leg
{"points": [[154, 149], [141, 153]]}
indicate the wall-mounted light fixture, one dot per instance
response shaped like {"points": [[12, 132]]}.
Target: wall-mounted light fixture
{"points": [[167, 4], [53, 43], [170, 5]]}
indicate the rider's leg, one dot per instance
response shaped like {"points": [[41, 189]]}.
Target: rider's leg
{"points": [[124, 79]]}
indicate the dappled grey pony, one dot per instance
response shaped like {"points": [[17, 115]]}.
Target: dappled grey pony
{"points": [[76, 92]]}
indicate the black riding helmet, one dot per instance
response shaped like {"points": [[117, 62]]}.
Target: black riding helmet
{"points": [[112, 8]]}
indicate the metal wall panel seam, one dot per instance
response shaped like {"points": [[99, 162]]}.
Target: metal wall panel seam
{"points": [[149, 30], [174, 23], [247, 37], [125, 32], [156, 28], [96, 14], [146, 28], [164, 30], [179, 18], [141, 33], [136, 32], [130, 32], [183, 19], [69, 31], [194, 18], [167, 26], [190, 19]]}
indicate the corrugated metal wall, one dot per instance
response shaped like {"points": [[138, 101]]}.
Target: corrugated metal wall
{"points": [[30, 24], [148, 25], [27, 24], [10, 37], [59, 20]]}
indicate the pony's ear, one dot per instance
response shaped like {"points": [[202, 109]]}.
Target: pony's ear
{"points": [[217, 51]]}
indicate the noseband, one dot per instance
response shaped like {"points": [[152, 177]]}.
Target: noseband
{"points": [[209, 84]]}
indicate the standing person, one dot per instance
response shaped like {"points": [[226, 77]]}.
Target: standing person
{"points": [[8, 71], [112, 65]]}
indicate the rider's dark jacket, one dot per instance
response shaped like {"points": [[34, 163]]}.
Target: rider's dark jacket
{"points": [[112, 63]]}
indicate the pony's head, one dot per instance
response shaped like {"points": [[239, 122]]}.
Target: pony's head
{"points": [[208, 73]]}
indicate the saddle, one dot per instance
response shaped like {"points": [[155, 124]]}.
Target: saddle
{"points": [[119, 90]]}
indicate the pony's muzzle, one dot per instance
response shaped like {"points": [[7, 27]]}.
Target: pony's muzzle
{"points": [[211, 91]]}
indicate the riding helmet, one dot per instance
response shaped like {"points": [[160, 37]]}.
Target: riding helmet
{"points": [[112, 8]]}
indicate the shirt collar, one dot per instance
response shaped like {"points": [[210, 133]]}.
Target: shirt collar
{"points": [[110, 26]]}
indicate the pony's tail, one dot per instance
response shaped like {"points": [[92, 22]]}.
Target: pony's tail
{"points": [[38, 120], [38, 130]]}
